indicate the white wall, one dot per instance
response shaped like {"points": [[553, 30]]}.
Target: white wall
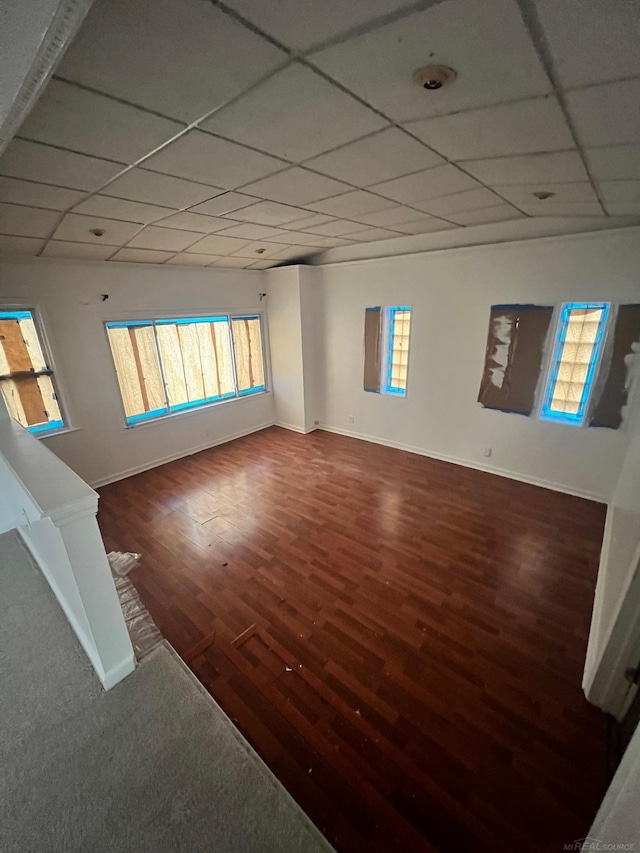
{"points": [[451, 292], [294, 340], [100, 448]]}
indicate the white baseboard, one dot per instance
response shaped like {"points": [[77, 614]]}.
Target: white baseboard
{"points": [[147, 466], [469, 463], [294, 428]]}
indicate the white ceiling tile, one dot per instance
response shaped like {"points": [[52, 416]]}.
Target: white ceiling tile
{"points": [[250, 231], [260, 249], [467, 35], [336, 228], [296, 186], [459, 202], [303, 23], [558, 208], [223, 204], [295, 114], [592, 41], [309, 222], [36, 162], [614, 163], [293, 238], [232, 263], [291, 252], [580, 192], [387, 154], [166, 239], [142, 256], [19, 221], [117, 208], [62, 249], [499, 213], [620, 208], [269, 213], [442, 180], [421, 227], [20, 245], [75, 227], [607, 115], [262, 265], [217, 245], [372, 234], [352, 203], [529, 169], [202, 157], [186, 260], [522, 128], [620, 191], [94, 124], [328, 242], [180, 59], [38, 195], [188, 221], [165, 190], [393, 216]]}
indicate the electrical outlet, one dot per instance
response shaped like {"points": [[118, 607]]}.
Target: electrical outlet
{"points": [[351, 419], [487, 451]]}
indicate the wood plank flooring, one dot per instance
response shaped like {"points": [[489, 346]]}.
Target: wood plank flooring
{"points": [[418, 632]]}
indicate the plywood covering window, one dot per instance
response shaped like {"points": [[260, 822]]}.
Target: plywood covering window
{"points": [[399, 327], [574, 361], [26, 378], [168, 365], [386, 349]]}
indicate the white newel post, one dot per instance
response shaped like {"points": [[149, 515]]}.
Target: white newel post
{"points": [[55, 514]]}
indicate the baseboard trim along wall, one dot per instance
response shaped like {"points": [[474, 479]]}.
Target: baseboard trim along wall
{"points": [[296, 428], [148, 466], [468, 463]]}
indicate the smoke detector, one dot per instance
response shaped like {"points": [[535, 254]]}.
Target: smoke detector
{"points": [[543, 195], [434, 77], [97, 232]]}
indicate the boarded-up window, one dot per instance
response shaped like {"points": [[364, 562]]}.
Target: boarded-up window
{"points": [[386, 349], [372, 344], [26, 380], [513, 357], [247, 346], [621, 369], [172, 364], [574, 361]]}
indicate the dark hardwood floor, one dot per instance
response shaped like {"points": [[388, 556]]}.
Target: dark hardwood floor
{"points": [[417, 633]]}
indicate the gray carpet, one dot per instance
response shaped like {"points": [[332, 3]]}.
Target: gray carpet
{"points": [[152, 765]]}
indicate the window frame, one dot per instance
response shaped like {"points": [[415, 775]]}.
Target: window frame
{"points": [[551, 373], [162, 318], [387, 361], [36, 312]]}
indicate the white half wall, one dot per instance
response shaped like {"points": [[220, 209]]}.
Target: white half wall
{"points": [[69, 295], [451, 293]]}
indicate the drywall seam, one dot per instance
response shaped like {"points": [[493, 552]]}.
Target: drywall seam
{"points": [[467, 463], [138, 469]]}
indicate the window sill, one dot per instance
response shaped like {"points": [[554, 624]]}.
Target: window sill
{"points": [[55, 432], [187, 412]]}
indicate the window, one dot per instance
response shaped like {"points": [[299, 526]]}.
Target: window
{"points": [[397, 349], [26, 379], [169, 365], [574, 361]]}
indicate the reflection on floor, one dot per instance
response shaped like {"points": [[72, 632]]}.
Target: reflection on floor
{"points": [[417, 633]]}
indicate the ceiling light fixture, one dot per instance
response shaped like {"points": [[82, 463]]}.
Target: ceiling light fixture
{"points": [[543, 195], [434, 77]]}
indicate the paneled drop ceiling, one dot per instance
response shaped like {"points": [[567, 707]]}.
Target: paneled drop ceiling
{"points": [[250, 133]]}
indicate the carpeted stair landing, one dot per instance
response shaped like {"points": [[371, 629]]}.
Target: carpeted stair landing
{"points": [[152, 765]]}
